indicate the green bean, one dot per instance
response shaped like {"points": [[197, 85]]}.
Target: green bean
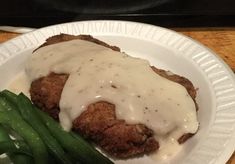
{"points": [[29, 115], [3, 134], [76, 147], [10, 116], [14, 157], [21, 159], [15, 146], [10, 96]]}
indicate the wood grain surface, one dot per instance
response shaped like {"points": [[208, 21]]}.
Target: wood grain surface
{"points": [[220, 40]]}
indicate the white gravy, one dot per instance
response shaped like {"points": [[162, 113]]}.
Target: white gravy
{"points": [[98, 73]]}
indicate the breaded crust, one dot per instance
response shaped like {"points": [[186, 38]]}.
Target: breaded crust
{"points": [[45, 93], [119, 139], [67, 37], [99, 122]]}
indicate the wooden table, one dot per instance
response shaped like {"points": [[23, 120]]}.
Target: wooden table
{"points": [[220, 40]]}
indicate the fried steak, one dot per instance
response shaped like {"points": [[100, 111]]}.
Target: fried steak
{"points": [[98, 122]]}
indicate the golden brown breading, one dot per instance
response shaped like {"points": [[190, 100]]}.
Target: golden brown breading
{"points": [[119, 139], [45, 92]]}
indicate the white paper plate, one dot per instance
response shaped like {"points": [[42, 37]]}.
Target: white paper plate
{"points": [[215, 141]]}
